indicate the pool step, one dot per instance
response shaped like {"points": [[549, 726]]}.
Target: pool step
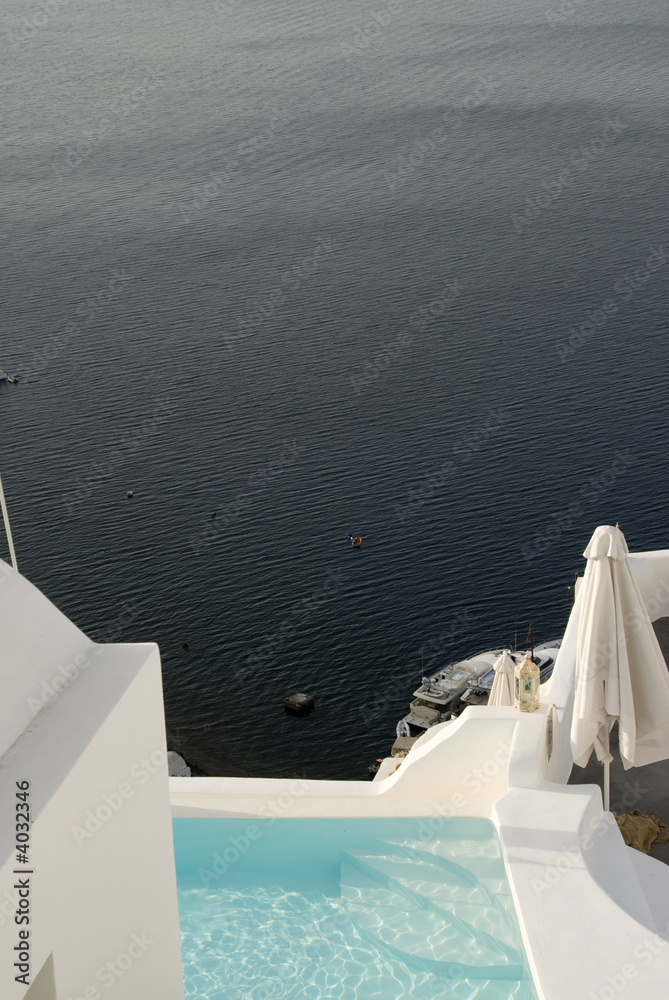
{"points": [[480, 859], [430, 912], [447, 884]]}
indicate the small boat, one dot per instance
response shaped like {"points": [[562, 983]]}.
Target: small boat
{"points": [[355, 540], [4, 377], [544, 657], [467, 682]]}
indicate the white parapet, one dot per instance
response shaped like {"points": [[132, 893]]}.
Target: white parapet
{"points": [[82, 744], [590, 929], [459, 768]]}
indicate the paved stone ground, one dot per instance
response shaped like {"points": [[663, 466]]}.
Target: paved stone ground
{"points": [[641, 787]]}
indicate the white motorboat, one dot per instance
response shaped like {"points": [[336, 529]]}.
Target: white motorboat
{"points": [[439, 694], [4, 377], [544, 656], [446, 692]]}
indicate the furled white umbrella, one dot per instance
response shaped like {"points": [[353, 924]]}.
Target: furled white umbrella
{"points": [[501, 692], [620, 670]]}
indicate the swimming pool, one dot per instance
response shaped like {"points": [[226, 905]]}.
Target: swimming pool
{"points": [[347, 909]]}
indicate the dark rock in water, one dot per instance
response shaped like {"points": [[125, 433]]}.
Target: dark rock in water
{"points": [[299, 704]]}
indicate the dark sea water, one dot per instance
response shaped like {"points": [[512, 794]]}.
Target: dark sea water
{"points": [[315, 268]]}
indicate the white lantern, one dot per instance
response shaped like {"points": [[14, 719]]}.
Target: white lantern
{"points": [[526, 685]]}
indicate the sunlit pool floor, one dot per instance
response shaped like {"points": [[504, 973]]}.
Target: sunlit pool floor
{"points": [[346, 910]]}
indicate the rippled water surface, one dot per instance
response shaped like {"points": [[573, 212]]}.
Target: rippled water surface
{"points": [[290, 271], [347, 909]]}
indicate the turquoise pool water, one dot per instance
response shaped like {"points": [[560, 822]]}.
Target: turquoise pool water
{"points": [[347, 909]]}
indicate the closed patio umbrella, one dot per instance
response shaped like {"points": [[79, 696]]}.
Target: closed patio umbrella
{"points": [[501, 692], [620, 670]]}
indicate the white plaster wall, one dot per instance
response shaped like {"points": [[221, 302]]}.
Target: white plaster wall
{"points": [[468, 759], [40, 647], [93, 898], [460, 770], [651, 571], [588, 927]]}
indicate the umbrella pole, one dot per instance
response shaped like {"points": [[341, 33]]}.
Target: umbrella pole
{"points": [[607, 776]]}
